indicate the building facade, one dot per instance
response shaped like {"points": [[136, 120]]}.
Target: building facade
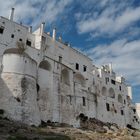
{"points": [[44, 79]]}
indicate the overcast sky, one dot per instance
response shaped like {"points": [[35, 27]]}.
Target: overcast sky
{"points": [[108, 31]]}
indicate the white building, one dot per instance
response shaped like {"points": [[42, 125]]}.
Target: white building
{"points": [[43, 79]]}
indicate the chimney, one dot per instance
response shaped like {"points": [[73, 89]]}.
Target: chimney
{"points": [[42, 28], [110, 67], [30, 29], [11, 17], [54, 34]]}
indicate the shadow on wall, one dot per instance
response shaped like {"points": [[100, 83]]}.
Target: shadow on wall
{"points": [[15, 99], [8, 102]]}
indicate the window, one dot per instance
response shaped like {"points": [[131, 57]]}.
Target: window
{"points": [[84, 101], [37, 87], [122, 113], [12, 35], [60, 59], [113, 82], [77, 66], [106, 80], [124, 102], [107, 107], [1, 30], [70, 99], [84, 68], [28, 43], [20, 39], [134, 110], [120, 88]]}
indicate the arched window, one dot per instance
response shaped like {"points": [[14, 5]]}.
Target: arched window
{"points": [[45, 65], [65, 76], [120, 100], [104, 91], [111, 93], [78, 78]]}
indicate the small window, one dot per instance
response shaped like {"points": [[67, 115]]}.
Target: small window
{"points": [[134, 110], [113, 82], [1, 30], [77, 66], [115, 111], [60, 59], [20, 39], [28, 43], [106, 80], [70, 99], [12, 35], [84, 101], [84, 68], [120, 88], [37, 87], [124, 102], [122, 113], [107, 107]]}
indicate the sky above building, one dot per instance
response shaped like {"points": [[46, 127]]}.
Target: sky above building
{"points": [[108, 31]]}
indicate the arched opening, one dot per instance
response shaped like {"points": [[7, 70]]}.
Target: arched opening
{"points": [[16, 51], [78, 78], [104, 91], [120, 100], [45, 65], [65, 76], [111, 93]]}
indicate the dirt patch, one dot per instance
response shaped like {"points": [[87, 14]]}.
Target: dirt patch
{"points": [[10, 130]]}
